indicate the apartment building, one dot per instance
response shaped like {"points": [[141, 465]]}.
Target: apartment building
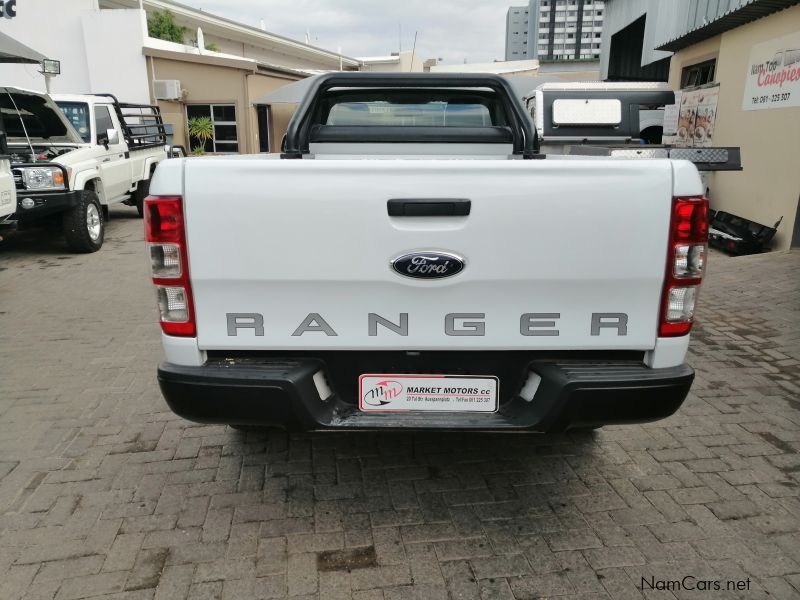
{"points": [[555, 30]]}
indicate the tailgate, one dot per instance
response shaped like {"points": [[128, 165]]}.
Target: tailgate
{"points": [[305, 246]]}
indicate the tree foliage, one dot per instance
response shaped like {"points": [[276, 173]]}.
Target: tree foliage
{"points": [[162, 25], [201, 129]]}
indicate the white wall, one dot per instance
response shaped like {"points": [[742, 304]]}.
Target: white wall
{"points": [[113, 40], [99, 51], [58, 38]]}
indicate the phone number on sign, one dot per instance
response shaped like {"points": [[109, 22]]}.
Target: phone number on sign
{"points": [[771, 98]]}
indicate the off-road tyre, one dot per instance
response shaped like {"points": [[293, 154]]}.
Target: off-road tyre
{"points": [[84, 225]]}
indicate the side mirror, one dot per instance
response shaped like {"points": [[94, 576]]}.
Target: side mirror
{"points": [[283, 143], [112, 137]]}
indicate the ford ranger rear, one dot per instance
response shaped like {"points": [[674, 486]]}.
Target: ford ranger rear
{"points": [[411, 260]]}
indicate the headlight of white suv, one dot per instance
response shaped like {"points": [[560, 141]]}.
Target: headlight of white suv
{"points": [[43, 178]]}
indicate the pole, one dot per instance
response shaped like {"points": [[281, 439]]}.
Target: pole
{"points": [[413, 50]]}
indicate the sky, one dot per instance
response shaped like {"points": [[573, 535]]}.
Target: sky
{"points": [[453, 30]]}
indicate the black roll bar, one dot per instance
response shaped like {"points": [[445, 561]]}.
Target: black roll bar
{"points": [[526, 142], [148, 133]]}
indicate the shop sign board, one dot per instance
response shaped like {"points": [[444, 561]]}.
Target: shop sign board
{"points": [[773, 74]]}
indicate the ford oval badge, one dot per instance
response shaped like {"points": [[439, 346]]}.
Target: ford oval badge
{"points": [[428, 265]]}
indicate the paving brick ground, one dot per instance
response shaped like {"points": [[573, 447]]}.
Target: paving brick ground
{"points": [[104, 493]]}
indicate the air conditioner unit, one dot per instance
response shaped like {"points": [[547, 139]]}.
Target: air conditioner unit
{"points": [[167, 89]]}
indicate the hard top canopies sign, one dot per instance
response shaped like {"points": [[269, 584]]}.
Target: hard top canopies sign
{"points": [[773, 74]]}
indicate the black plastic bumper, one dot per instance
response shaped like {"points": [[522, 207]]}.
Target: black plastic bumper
{"points": [[45, 204], [281, 393]]}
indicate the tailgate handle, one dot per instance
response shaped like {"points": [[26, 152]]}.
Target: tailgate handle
{"points": [[429, 207]]}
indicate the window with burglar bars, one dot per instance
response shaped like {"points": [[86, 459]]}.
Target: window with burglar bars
{"points": [[225, 139], [698, 74]]}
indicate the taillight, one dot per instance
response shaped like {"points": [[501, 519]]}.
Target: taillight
{"points": [[165, 234], [686, 264]]}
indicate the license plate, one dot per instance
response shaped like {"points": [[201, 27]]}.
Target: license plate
{"points": [[427, 393]]}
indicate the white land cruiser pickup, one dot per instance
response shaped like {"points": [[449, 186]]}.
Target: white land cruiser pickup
{"points": [[412, 261], [68, 170]]}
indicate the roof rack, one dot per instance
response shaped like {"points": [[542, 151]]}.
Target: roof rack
{"points": [[142, 124]]}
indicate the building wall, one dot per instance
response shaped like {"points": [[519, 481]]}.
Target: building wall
{"points": [[81, 38], [213, 84], [555, 29], [402, 62], [245, 50], [507, 67], [382, 66], [587, 72], [664, 21], [573, 31], [124, 72], [705, 50], [518, 25], [239, 39], [769, 185], [279, 114], [204, 84]]}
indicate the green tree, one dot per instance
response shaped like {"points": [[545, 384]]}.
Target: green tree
{"points": [[162, 25], [201, 129]]}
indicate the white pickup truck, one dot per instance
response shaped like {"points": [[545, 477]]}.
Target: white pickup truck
{"points": [[411, 260], [69, 169]]}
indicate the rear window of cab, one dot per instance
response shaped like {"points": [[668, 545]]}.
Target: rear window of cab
{"points": [[402, 108]]}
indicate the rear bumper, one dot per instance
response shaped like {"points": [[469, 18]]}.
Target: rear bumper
{"points": [[282, 393]]}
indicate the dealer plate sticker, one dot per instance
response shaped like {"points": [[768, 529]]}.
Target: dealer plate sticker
{"points": [[430, 393]]}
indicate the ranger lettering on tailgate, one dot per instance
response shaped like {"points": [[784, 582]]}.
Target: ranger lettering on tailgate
{"points": [[455, 324]]}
